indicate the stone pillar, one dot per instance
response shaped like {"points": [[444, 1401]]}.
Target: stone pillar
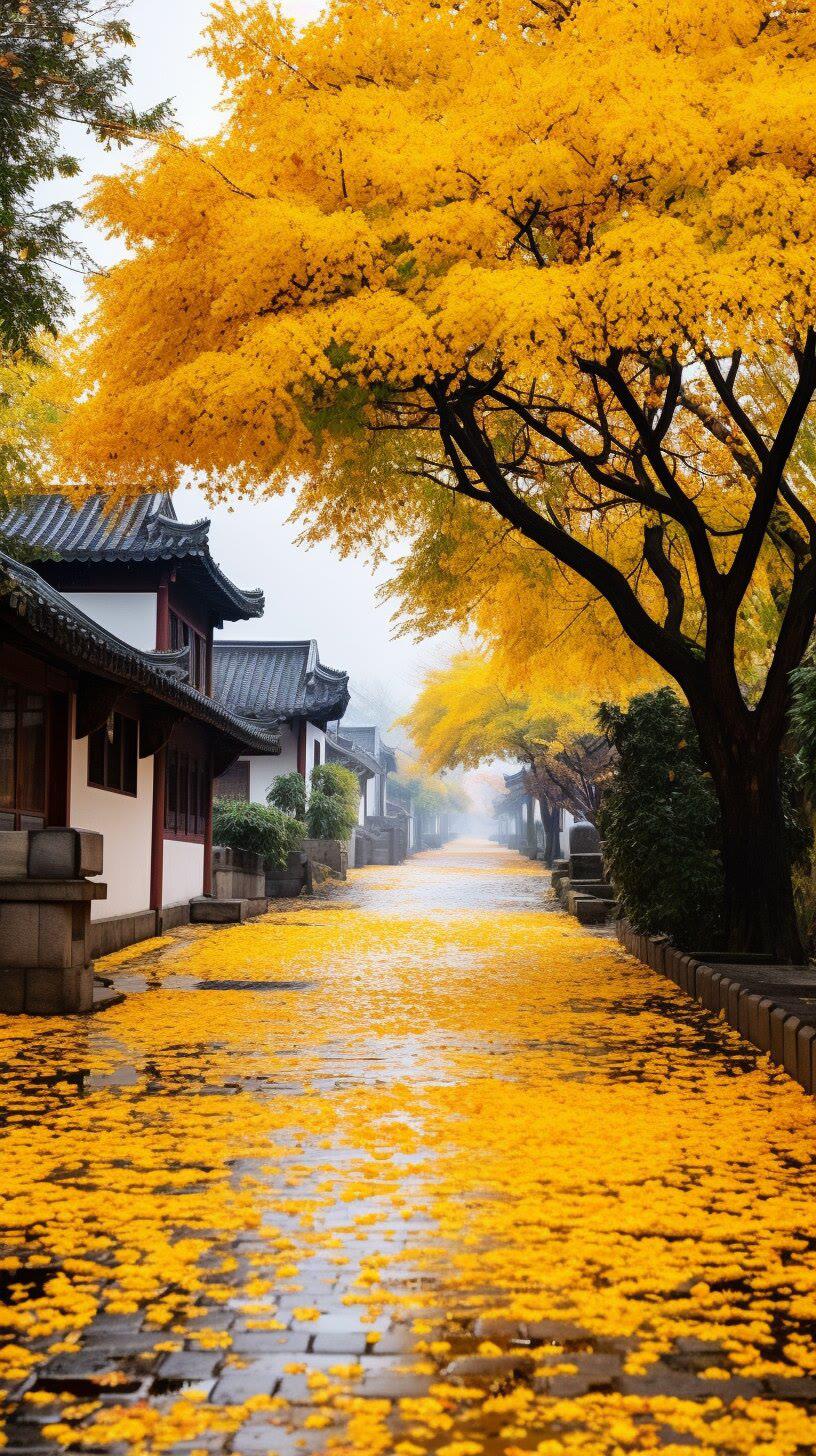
{"points": [[45, 916]]}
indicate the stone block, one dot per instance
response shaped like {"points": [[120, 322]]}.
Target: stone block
{"points": [[64, 854], [205, 911], [778, 1018], [584, 839], [12, 991], [723, 986], [51, 992], [13, 854], [586, 867], [806, 1036], [590, 911], [733, 1004], [657, 955], [763, 1024], [702, 988], [19, 933], [55, 936], [744, 1008], [790, 1055], [753, 1017]]}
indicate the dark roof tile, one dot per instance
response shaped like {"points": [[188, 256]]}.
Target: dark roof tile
{"points": [[278, 680], [49, 528], [47, 613]]}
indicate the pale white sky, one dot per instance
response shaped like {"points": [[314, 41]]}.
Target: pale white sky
{"points": [[308, 594]]}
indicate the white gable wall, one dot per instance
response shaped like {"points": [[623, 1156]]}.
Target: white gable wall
{"points": [[129, 615], [314, 735], [126, 824], [183, 871]]}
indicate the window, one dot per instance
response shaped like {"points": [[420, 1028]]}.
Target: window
{"points": [[23, 746], [113, 753], [183, 635], [317, 753], [187, 801], [234, 782]]}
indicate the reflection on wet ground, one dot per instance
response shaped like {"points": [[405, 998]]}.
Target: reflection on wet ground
{"points": [[435, 1170]]}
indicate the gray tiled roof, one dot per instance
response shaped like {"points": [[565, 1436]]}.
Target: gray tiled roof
{"points": [[340, 749], [50, 528], [46, 613], [368, 738], [278, 680]]}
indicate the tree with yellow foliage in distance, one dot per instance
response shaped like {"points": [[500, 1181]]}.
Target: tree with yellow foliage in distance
{"points": [[469, 713], [526, 255]]}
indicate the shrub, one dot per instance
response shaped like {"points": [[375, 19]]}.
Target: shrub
{"points": [[333, 802], [660, 821], [253, 827], [288, 793]]}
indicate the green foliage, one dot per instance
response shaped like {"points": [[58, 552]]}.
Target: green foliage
{"points": [[333, 802], [257, 829], [288, 793], [62, 61], [660, 820]]}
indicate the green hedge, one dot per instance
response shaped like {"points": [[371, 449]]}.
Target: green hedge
{"points": [[288, 793], [660, 821], [257, 829], [334, 800]]}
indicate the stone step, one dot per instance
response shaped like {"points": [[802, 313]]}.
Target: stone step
{"points": [[586, 866], [590, 911], [601, 889], [204, 910]]}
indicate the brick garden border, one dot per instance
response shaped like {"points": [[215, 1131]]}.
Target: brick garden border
{"points": [[789, 1039]]}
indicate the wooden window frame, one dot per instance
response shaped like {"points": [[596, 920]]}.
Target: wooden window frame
{"points": [[107, 747], [184, 634], [18, 811], [194, 768]]}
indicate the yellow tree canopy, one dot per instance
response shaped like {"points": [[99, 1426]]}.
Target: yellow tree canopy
{"points": [[467, 713], [530, 254], [418, 216]]}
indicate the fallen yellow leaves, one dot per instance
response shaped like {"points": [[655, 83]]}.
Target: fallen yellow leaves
{"points": [[476, 1114]]}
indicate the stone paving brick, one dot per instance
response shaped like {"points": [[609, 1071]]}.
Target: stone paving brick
{"points": [[339, 1343], [260, 1376], [190, 1365]]}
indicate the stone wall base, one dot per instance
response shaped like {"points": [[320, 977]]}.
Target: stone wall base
{"points": [[117, 931], [771, 1006]]}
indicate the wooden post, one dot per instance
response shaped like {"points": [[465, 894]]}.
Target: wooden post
{"points": [[301, 747]]}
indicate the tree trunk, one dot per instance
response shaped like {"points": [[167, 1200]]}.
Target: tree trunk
{"points": [[549, 819], [759, 911]]}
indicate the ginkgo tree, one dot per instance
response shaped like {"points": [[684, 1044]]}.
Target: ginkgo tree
{"points": [[536, 256], [471, 711]]}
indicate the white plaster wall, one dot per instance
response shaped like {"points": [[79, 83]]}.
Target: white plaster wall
{"points": [[314, 735], [265, 767], [372, 804], [183, 871], [130, 615], [126, 826]]}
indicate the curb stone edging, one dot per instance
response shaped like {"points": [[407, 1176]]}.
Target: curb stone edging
{"points": [[774, 1030]]}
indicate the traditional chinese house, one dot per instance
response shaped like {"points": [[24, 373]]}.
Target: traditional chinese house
{"points": [[280, 683], [107, 717]]}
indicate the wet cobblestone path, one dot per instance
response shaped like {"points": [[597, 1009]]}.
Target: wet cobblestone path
{"points": [[423, 1167]]}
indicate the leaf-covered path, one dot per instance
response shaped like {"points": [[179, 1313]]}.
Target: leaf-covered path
{"points": [[421, 1168]]}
